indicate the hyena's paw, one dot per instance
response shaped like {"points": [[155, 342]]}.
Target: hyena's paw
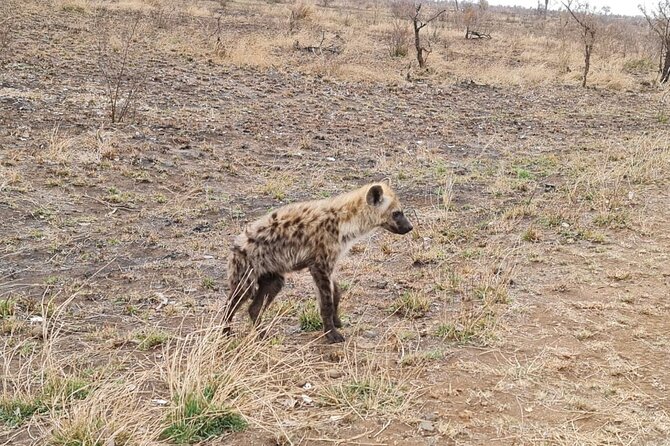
{"points": [[334, 336]]}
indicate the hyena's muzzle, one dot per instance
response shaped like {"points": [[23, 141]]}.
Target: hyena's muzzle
{"points": [[399, 224]]}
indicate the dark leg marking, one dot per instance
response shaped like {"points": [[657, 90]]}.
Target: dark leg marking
{"points": [[323, 283]]}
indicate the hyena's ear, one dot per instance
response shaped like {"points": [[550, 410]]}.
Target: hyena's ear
{"points": [[375, 195]]}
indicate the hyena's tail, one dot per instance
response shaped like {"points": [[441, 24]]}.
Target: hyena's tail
{"points": [[241, 283]]}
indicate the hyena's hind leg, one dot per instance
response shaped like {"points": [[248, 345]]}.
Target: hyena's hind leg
{"points": [[269, 285]]}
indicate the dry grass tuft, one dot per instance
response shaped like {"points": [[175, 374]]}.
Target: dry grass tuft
{"points": [[368, 385]]}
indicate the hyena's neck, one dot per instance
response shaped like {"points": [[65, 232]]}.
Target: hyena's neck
{"points": [[353, 223]]}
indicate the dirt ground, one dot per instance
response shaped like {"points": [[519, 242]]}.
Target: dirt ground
{"points": [[529, 305]]}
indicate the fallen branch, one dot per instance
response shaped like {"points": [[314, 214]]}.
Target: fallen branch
{"points": [[472, 34], [320, 49]]}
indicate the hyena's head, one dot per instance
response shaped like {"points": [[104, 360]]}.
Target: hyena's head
{"points": [[385, 205]]}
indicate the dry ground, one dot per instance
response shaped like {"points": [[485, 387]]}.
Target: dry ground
{"points": [[529, 306]]}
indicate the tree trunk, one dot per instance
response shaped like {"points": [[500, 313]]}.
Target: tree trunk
{"points": [[665, 72], [417, 44], [587, 62]]}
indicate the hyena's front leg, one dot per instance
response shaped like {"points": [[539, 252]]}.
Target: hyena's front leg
{"points": [[324, 284], [269, 285]]}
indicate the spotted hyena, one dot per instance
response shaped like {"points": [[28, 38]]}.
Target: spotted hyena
{"points": [[312, 235]]}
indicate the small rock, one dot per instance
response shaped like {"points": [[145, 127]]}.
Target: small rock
{"points": [[290, 403], [426, 426], [335, 373], [36, 332], [370, 334]]}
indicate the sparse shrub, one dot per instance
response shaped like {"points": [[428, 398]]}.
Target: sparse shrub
{"points": [[531, 235], [300, 12], [420, 21], [638, 66], [164, 13], [398, 39], [118, 61]]}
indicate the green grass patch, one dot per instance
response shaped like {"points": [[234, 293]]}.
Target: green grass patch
{"points": [[7, 307], [197, 418], [69, 388], [412, 305], [523, 174], [15, 411], [151, 338], [612, 220], [310, 318]]}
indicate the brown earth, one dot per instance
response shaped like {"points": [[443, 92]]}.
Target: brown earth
{"points": [[541, 245]]}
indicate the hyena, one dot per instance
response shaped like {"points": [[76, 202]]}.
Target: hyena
{"points": [[312, 235]]}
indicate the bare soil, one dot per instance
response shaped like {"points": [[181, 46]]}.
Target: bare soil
{"points": [[134, 220]]}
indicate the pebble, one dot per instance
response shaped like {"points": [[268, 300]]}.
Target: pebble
{"points": [[335, 373], [427, 426]]}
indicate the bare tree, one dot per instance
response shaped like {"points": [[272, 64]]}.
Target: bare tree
{"points": [[586, 19], [659, 22], [419, 23], [123, 77]]}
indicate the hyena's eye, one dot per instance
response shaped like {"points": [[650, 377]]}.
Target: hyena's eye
{"points": [[396, 214]]}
